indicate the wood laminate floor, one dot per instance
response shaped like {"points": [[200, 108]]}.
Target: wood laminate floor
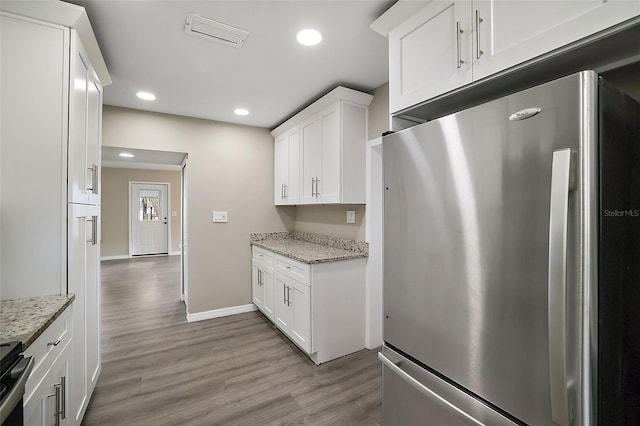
{"points": [[157, 369]]}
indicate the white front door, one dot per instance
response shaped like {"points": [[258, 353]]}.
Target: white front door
{"points": [[149, 218]]}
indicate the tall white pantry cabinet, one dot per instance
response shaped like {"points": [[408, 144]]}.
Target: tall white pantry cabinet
{"points": [[51, 115]]}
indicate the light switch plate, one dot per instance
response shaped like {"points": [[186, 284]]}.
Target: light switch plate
{"points": [[351, 216], [219, 217]]}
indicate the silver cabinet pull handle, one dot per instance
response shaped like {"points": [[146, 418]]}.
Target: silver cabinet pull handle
{"points": [[313, 187], [288, 296], [57, 388], [94, 178], [284, 294], [54, 344], [63, 392], [479, 20], [561, 184], [459, 44], [94, 230], [317, 187]]}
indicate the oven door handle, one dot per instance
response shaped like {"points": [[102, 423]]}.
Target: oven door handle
{"points": [[22, 370]]}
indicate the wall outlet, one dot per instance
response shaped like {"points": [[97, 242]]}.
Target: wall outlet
{"points": [[351, 216], [219, 217]]}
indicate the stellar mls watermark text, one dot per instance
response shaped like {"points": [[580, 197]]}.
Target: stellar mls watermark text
{"points": [[621, 213]]}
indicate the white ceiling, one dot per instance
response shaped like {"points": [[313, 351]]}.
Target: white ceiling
{"points": [[145, 48]]}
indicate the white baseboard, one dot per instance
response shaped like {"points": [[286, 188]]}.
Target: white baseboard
{"points": [[118, 257], [175, 253], [217, 313]]}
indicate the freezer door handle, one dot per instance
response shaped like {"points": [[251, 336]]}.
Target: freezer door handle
{"points": [[393, 366], [562, 182]]}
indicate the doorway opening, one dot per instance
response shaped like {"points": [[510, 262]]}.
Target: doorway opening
{"points": [[144, 206], [149, 218]]}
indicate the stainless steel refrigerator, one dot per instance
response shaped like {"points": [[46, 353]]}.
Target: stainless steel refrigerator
{"points": [[512, 262]]}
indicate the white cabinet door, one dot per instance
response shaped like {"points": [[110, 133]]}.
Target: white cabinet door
{"points": [[430, 53], [92, 300], [257, 286], [77, 242], [85, 112], [329, 185], [283, 312], [511, 32], [83, 258], [299, 298], [292, 189], [94, 130], [78, 101], [287, 168], [48, 405], [281, 169], [311, 154], [266, 275]]}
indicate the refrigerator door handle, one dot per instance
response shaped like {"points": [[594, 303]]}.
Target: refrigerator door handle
{"points": [[393, 366], [562, 182]]}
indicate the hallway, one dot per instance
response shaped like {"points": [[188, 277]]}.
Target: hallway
{"points": [[157, 369]]}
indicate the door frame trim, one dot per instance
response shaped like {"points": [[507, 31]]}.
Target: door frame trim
{"points": [[130, 239]]}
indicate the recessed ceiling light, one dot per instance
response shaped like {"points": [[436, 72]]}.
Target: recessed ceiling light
{"points": [[126, 155], [309, 37], [241, 111], [146, 96]]}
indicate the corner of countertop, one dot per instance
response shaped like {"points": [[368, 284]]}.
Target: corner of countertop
{"points": [[26, 319]]}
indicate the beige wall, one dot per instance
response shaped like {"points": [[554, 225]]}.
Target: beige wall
{"points": [[115, 206], [332, 220], [230, 167], [379, 112]]}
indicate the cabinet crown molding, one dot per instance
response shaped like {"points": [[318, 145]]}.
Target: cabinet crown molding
{"points": [[340, 93], [66, 15]]}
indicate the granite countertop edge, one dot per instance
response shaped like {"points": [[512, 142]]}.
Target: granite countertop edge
{"points": [[310, 248], [42, 319], [293, 256]]}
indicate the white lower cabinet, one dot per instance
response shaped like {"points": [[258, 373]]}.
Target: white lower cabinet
{"points": [[262, 278], [293, 310], [84, 282], [47, 389], [320, 307]]}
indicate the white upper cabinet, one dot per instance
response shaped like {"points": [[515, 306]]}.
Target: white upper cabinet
{"points": [[507, 33], [85, 109], [310, 152], [332, 137], [448, 44], [429, 53], [287, 168]]}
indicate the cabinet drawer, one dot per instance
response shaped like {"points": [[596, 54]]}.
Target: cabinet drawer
{"points": [[294, 269], [46, 348], [262, 256]]}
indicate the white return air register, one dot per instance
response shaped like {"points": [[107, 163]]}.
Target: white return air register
{"points": [[215, 31]]}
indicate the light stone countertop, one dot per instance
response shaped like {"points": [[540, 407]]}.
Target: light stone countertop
{"points": [[310, 248], [26, 319]]}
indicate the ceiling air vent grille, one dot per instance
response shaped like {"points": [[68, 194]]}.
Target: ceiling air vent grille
{"points": [[215, 31]]}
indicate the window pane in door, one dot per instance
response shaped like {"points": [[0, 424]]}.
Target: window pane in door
{"points": [[149, 203]]}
